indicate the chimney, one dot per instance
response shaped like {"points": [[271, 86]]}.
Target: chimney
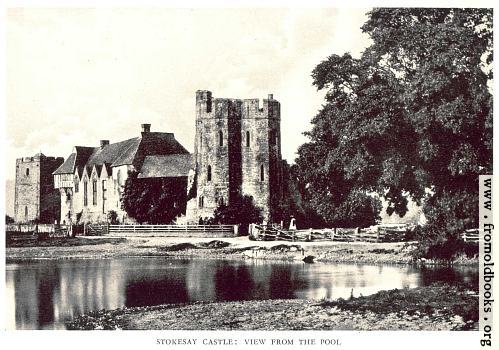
{"points": [[103, 143], [146, 128]]}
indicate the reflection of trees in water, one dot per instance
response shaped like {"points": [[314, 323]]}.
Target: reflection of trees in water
{"points": [[167, 290], [457, 276], [284, 281], [155, 283], [233, 282]]}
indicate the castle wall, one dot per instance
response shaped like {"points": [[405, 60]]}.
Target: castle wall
{"points": [[50, 200], [27, 192], [35, 196], [249, 160]]}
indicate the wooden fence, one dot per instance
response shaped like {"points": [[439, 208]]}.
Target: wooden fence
{"points": [[380, 234], [174, 230], [52, 230]]}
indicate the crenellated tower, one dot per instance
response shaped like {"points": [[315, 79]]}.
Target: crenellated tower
{"points": [[237, 150]]}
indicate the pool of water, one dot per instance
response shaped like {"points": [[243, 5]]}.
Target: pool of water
{"points": [[46, 293]]}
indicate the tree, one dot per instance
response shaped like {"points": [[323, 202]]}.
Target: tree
{"points": [[240, 211], [411, 117], [154, 200]]}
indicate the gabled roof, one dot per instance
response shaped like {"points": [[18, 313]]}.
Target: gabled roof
{"points": [[67, 167], [173, 165], [113, 151], [128, 152]]}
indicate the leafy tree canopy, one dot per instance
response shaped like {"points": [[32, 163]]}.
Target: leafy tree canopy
{"points": [[413, 113], [240, 211], [153, 201]]}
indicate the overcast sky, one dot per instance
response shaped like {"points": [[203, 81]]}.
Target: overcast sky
{"points": [[76, 76]]}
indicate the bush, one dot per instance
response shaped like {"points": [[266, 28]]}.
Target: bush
{"points": [[241, 211]]}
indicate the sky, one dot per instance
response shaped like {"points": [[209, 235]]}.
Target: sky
{"points": [[76, 76]]}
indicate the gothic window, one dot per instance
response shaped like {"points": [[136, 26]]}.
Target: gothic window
{"points": [[94, 192], [247, 138], [209, 173], [27, 171], [221, 138], [85, 192], [262, 173]]}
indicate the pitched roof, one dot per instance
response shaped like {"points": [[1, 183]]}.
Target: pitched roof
{"points": [[114, 151], [67, 167], [173, 165], [127, 152]]}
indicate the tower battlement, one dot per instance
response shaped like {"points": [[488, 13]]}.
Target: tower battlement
{"points": [[237, 151]]}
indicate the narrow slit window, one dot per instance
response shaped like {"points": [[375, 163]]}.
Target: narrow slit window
{"points": [[262, 173], [221, 138], [26, 211], [247, 138], [209, 173], [27, 171]]}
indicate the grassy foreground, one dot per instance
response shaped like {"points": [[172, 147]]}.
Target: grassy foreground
{"points": [[436, 307]]}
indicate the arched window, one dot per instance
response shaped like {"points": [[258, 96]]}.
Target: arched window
{"points": [[221, 138], [221, 201], [94, 192], [85, 192], [209, 173], [247, 138], [27, 171], [262, 173]]}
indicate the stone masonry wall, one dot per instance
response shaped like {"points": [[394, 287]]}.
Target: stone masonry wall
{"points": [[250, 146], [35, 196]]}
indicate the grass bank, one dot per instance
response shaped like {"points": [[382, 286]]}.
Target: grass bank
{"points": [[436, 307], [223, 248]]}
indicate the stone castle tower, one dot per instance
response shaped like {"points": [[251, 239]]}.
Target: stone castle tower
{"points": [[237, 151], [35, 196]]}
